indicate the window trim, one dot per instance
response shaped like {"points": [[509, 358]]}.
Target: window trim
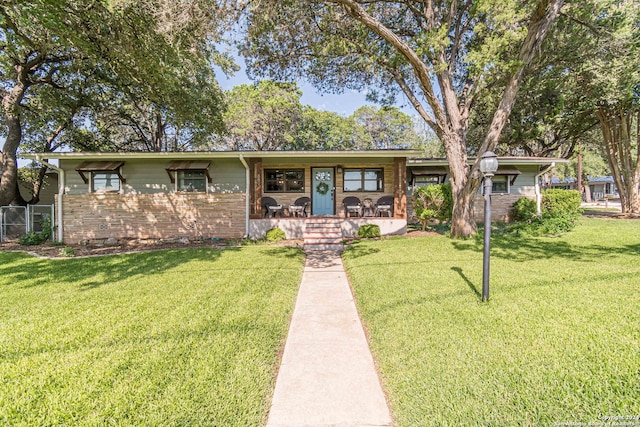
{"points": [[507, 181], [177, 180], [101, 167], [285, 184], [92, 180], [363, 180]]}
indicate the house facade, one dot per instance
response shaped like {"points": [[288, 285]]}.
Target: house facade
{"points": [[203, 195]]}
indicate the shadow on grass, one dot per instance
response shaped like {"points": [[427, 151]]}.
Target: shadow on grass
{"points": [[357, 250], [468, 282], [520, 248], [442, 229], [97, 271]]}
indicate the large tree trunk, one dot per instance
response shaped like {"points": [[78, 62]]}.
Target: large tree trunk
{"points": [[11, 104], [9, 177]]}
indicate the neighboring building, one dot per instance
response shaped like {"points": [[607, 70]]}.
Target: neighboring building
{"points": [[600, 187], [222, 194], [567, 183]]}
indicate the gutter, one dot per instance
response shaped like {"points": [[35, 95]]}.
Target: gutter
{"points": [[247, 191], [537, 187], [61, 180]]}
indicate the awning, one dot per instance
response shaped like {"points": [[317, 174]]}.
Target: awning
{"points": [[189, 165], [507, 171], [513, 172], [95, 166], [428, 170]]}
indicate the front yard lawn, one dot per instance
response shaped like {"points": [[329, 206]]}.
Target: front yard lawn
{"points": [[181, 337], [558, 342]]}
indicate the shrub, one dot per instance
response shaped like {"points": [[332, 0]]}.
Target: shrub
{"points": [[47, 229], [560, 213], [34, 238], [525, 210], [368, 231], [31, 238], [275, 235], [433, 202], [560, 210]]}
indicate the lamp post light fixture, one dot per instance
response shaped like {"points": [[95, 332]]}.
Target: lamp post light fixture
{"points": [[488, 166]]}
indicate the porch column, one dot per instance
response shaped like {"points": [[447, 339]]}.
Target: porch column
{"points": [[255, 192], [400, 187]]}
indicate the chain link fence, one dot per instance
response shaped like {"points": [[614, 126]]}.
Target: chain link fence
{"points": [[16, 221]]}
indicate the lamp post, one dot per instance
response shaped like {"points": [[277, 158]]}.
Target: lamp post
{"points": [[488, 166]]}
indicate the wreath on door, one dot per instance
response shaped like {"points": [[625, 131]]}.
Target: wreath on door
{"points": [[322, 188]]}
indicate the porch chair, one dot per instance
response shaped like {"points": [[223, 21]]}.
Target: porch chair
{"points": [[384, 205], [352, 205], [368, 208], [305, 202], [271, 207]]}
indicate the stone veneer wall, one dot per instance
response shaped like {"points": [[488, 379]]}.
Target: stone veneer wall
{"points": [[153, 216], [501, 207]]}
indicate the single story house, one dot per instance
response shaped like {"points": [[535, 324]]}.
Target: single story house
{"points": [[224, 194]]}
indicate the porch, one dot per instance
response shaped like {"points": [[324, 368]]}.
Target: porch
{"points": [[352, 189]]}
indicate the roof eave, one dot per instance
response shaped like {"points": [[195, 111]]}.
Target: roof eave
{"points": [[186, 155]]}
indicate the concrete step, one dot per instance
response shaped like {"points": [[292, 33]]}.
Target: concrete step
{"points": [[323, 225], [323, 240], [321, 236]]}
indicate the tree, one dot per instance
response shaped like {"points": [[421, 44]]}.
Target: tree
{"points": [[601, 45], [324, 130], [263, 116], [74, 53], [442, 55], [384, 128]]}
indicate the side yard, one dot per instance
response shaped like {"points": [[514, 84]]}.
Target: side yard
{"points": [[180, 337], [559, 341]]}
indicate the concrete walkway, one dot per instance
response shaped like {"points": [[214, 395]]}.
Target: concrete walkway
{"points": [[327, 376]]}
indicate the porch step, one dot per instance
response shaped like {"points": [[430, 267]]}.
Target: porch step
{"points": [[323, 234]]}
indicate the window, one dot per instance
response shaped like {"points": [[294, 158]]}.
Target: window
{"points": [[102, 176], [500, 184], [425, 180], [363, 180], [192, 181], [105, 182], [284, 180], [190, 175]]}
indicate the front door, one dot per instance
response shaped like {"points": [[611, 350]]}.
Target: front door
{"points": [[322, 189]]}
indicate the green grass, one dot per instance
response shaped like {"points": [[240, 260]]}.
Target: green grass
{"points": [[559, 340], [183, 337]]}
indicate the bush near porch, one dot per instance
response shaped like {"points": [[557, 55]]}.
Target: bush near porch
{"points": [[178, 337], [558, 342]]}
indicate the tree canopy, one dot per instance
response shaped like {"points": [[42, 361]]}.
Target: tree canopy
{"points": [[268, 115], [64, 63]]}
